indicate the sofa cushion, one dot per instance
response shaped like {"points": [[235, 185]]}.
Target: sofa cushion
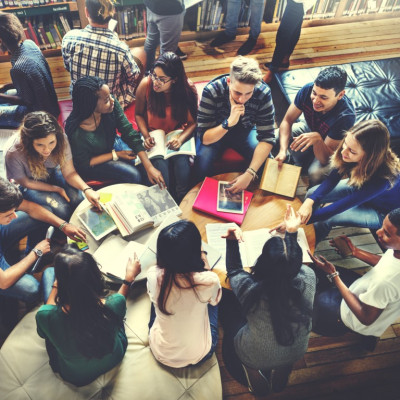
{"points": [[26, 374], [372, 86]]}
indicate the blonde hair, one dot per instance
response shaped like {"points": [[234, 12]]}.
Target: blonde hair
{"points": [[38, 125], [245, 70], [100, 11], [378, 161]]}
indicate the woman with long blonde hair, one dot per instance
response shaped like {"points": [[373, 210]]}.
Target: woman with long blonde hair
{"points": [[363, 185]]}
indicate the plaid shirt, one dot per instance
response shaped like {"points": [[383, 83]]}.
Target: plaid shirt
{"points": [[98, 52]]}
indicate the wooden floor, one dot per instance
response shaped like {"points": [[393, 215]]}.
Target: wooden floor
{"points": [[333, 368]]}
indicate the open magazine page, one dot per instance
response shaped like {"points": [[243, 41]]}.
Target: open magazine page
{"points": [[188, 148], [158, 150]]}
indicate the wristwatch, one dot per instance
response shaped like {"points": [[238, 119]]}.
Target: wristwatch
{"points": [[38, 252], [125, 282], [114, 155], [225, 124]]}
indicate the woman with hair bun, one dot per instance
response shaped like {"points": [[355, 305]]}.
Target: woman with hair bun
{"points": [[40, 160]]}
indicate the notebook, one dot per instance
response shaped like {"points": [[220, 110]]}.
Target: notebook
{"points": [[206, 201]]}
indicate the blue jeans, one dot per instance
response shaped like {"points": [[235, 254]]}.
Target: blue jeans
{"points": [[243, 140], [256, 17], [57, 204], [27, 287], [362, 216], [213, 317], [163, 30], [11, 115]]}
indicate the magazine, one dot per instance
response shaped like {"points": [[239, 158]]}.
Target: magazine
{"points": [[228, 201], [99, 224], [160, 148]]}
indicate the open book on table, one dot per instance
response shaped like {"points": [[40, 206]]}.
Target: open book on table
{"points": [[253, 242], [282, 181], [160, 148], [134, 211]]}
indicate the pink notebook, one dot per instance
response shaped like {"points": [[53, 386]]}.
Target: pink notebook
{"points": [[206, 201]]}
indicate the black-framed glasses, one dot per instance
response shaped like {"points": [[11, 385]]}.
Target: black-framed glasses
{"points": [[155, 78]]}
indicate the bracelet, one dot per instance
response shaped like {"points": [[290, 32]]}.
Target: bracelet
{"points": [[129, 284], [55, 287], [62, 226], [252, 173], [203, 251], [88, 188], [332, 275], [114, 155]]}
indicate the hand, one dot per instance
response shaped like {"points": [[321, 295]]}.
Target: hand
{"points": [[349, 243], [155, 177], [74, 232], [322, 263], [240, 183], [292, 219], [149, 143], [305, 211], [237, 111], [234, 234], [175, 143], [126, 155], [305, 140], [281, 157], [133, 268], [204, 258], [94, 198], [281, 228], [44, 245], [5, 87], [62, 193]]}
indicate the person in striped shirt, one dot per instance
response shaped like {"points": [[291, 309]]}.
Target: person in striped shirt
{"points": [[235, 111]]}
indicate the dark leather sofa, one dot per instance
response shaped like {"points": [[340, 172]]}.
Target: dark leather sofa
{"points": [[373, 87]]}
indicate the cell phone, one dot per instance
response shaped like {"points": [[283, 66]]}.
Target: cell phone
{"points": [[342, 246]]}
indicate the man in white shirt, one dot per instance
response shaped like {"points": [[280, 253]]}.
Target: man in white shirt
{"points": [[368, 304]]}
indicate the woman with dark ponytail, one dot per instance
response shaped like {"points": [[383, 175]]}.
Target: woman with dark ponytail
{"points": [[84, 329], [98, 152], [267, 318]]}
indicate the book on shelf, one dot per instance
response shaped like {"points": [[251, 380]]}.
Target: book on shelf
{"points": [[252, 245], [160, 149], [134, 211], [282, 181], [207, 198]]}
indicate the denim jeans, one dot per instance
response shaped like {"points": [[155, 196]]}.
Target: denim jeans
{"points": [[362, 216], [27, 287], [213, 317], [256, 17], [243, 140], [57, 204], [11, 115], [163, 30]]}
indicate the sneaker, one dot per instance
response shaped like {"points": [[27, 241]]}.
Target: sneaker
{"points": [[247, 46], [257, 381], [221, 39], [180, 54]]}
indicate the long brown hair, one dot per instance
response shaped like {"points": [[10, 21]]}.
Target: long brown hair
{"points": [[378, 161], [38, 125]]}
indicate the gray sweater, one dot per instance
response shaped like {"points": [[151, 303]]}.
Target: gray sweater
{"points": [[255, 343]]}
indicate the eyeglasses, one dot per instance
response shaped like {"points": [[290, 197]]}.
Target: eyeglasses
{"points": [[155, 78]]}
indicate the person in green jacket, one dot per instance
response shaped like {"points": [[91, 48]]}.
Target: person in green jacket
{"points": [[98, 152]]}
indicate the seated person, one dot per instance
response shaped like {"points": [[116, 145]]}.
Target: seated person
{"points": [[166, 100], [32, 86], [267, 316], [184, 295], [40, 160], [236, 111], [18, 218], [328, 114], [97, 151], [97, 51], [83, 328], [363, 186], [366, 304]]}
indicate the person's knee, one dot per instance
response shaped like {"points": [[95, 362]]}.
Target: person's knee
{"points": [[141, 55]]}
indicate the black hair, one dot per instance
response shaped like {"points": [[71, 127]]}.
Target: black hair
{"points": [[85, 95], [80, 292], [394, 218], [178, 252], [10, 196], [183, 95], [11, 30], [100, 11], [275, 270], [332, 78]]}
